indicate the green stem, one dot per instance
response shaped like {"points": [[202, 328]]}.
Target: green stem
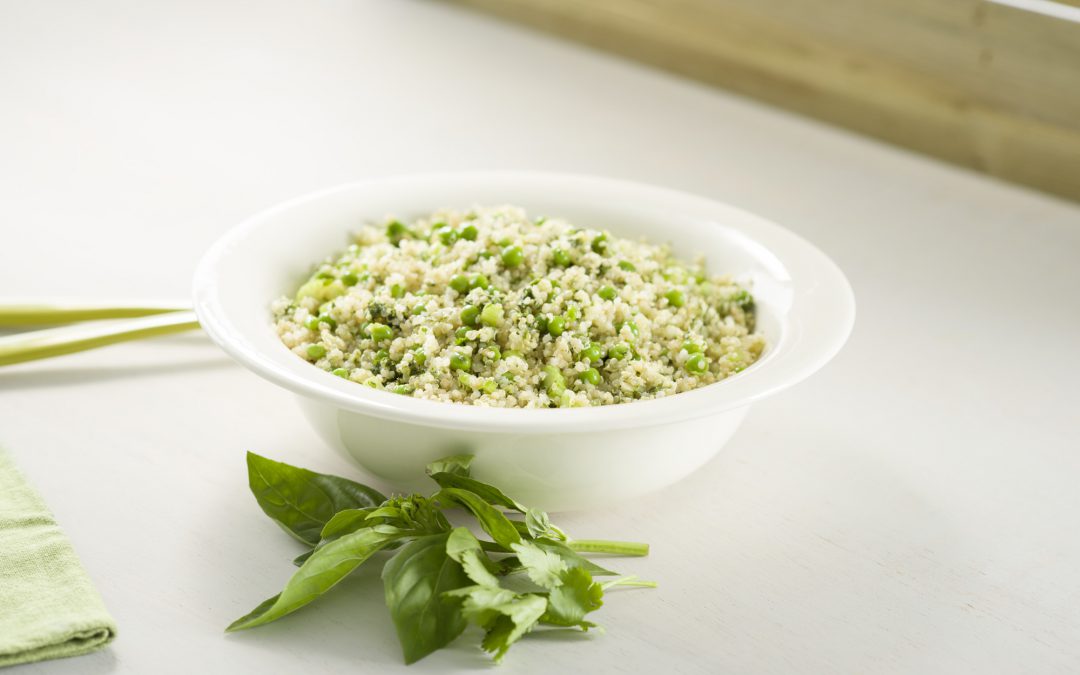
{"points": [[39, 313], [42, 344], [613, 547], [628, 581]]}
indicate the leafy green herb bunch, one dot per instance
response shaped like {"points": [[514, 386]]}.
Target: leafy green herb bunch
{"points": [[440, 578]]}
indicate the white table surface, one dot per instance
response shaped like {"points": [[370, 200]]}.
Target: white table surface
{"points": [[913, 508]]}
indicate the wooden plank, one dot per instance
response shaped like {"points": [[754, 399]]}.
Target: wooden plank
{"points": [[979, 84]]}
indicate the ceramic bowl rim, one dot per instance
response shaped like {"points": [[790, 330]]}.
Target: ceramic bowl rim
{"points": [[817, 324]]}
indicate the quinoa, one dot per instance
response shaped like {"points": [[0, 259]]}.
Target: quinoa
{"points": [[491, 308]]}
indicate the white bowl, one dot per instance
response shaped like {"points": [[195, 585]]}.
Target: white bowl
{"points": [[556, 459]]}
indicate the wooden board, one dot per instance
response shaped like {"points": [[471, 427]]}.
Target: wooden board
{"points": [[980, 84]]}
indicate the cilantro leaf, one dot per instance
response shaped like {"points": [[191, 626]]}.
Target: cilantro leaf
{"points": [[572, 558], [544, 568], [463, 547], [457, 465], [570, 601], [518, 617]]}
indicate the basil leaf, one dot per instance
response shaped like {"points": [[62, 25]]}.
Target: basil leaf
{"points": [[302, 501], [497, 525], [414, 581], [342, 523], [455, 464], [327, 566], [346, 522], [489, 493]]}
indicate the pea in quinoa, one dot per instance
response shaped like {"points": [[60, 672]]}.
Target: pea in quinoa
{"points": [[491, 308]]}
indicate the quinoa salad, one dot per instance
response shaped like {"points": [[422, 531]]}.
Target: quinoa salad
{"points": [[493, 308]]}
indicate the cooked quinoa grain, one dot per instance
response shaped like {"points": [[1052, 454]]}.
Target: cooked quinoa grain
{"points": [[491, 308]]}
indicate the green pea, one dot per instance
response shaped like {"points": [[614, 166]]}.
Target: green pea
{"points": [[600, 244], [469, 232], [402, 389], [591, 376], [312, 323], [556, 326], [627, 266], [513, 256], [462, 335], [607, 293], [328, 320], [628, 324], [324, 275], [554, 382], [696, 364], [316, 351], [397, 291], [573, 313], [381, 356], [380, 331], [396, 231], [496, 353], [675, 297], [340, 372], [619, 351], [742, 299], [512, 352], [541, 220], [593, 353], [492, 315], [470, 314], [460, 283], [479, 281], [691, 347], [489, 387], [460, 362], [350, 279], [560, 257], [419, 309]]}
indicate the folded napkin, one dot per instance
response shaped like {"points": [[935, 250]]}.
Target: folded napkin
{"points": [[48, 608]]}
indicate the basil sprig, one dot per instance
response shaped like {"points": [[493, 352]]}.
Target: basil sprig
{"points": [[440, 578]]}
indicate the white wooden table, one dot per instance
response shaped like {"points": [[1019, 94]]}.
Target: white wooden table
{"points": [[914, 508]]}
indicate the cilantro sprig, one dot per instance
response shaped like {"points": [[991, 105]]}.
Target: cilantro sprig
{"points": [[440, 578]]}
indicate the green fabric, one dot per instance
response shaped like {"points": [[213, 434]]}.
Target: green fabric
{"points": [[48, 608]]}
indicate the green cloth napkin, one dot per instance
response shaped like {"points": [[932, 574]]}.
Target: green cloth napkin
{"points": [[48, 608]]}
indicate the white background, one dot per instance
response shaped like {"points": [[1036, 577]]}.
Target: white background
{"points": [[913, 508]]}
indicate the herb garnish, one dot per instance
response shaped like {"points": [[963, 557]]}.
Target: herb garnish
{"points": [[440, 578]]}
